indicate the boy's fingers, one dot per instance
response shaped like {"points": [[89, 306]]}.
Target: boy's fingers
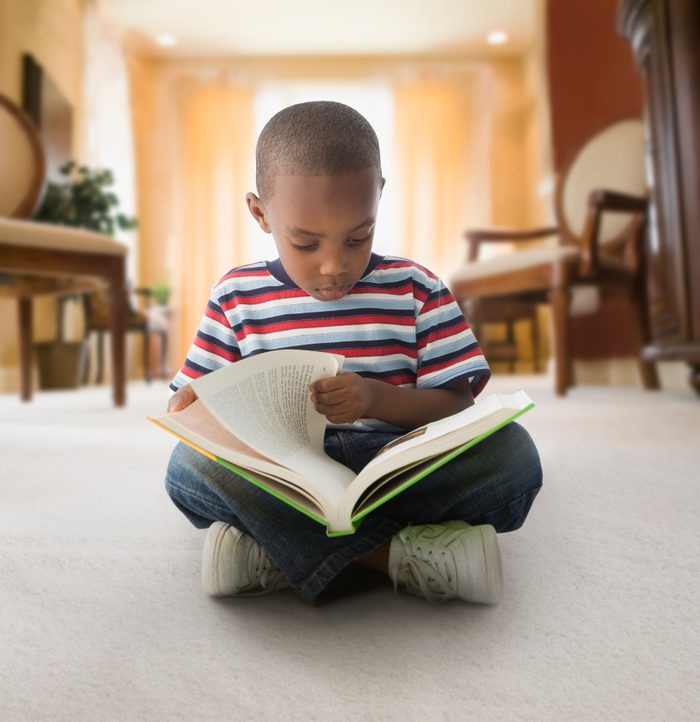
{"points": [[181, 399], [330, 398], [175, 405], [328, 384]]}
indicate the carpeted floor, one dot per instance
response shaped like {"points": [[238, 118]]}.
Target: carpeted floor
{"points": [[101, 616]]}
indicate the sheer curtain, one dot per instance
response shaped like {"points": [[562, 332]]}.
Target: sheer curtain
{"points": [[196, 131], [214, 170], [108, 141], [443, 127]]}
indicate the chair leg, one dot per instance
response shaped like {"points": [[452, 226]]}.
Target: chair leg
{"points": [[647, 369], [26, 350], [99, 376], [476, 330], [535, 340], [162, 365], [147, 356], [649, 374], [559, 298], [86, 364], [118, 310], [510, 340]]}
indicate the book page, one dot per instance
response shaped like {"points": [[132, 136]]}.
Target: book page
{"points": [[265, 401], [196, 424], [440, 436], [199, 420], [269, 409]]}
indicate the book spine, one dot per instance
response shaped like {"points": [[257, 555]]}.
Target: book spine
{"points": [[243, 473]]}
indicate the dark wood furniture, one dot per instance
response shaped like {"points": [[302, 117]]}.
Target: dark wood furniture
{"points": [[665, 37], [29, 267], [591, 250], [42, 259], [141, 321], [481, 312]]}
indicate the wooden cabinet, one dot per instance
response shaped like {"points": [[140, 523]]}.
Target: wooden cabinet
{"points": [[665, 37]]}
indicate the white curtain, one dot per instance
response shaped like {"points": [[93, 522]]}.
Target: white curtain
{"points": [[108, 141]]}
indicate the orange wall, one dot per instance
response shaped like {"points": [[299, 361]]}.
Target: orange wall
{"points": [[593, 81], [591, 73], [51, 30]]}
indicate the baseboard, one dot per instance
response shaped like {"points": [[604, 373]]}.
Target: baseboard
{"points": [[9, 380], [10, 375], [673, 375]]}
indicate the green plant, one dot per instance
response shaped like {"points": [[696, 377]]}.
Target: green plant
{"points": [[161, 293], [84, 201]]}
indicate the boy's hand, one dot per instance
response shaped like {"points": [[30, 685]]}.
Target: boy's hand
{"points": [[342, 399], [181, 399]]}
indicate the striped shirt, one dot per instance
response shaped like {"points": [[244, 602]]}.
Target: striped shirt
{"points": [[399, 323]]}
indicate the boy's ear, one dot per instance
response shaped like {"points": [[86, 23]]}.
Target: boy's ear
{"points": [[257, 210]]}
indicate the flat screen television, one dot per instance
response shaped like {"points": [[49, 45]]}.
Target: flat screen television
{"points": [[51, 112]]}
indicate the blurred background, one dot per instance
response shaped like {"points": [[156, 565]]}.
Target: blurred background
{"points": [[496, 118], [478, 106]]}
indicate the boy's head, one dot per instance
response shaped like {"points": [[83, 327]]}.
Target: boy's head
{"points": [[319, 182], [319, 138]]}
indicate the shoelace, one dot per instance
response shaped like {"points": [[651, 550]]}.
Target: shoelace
{"points": [[262, 570], [433, 577]]}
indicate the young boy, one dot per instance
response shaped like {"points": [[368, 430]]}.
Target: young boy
{"points": [[410, 359]]}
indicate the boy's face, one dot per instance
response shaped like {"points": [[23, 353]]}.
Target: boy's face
{"points": [[323, 228]]}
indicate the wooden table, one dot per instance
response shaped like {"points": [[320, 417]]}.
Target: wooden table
{"points": [[43, 259]]}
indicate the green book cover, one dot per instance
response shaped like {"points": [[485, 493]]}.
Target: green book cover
{"points": [[255, 418]]}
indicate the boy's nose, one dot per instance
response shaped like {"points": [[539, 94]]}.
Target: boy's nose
{"points": [[334, 264]]}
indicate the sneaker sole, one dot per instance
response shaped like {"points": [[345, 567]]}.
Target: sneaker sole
{"points": [[220, 541], [492, 591]]}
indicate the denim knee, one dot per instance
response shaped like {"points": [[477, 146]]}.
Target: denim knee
{"points": [[180, 461], [525, 455], [523, 482], [184, 484], [498, 482]]}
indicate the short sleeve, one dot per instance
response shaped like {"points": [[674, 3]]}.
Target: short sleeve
{"points": [[215, 345], [447, 348]]}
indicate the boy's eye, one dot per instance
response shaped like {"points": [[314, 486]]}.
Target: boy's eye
{"points": [[310, 247], [358, 241]]}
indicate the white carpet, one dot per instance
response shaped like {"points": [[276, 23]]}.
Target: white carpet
{"points": [[101, 617]]}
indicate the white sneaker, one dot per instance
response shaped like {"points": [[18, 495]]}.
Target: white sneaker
{"points": [[446, 561], [233, 563]]}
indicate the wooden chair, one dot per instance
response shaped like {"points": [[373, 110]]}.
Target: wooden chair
{"points": [[147, 321], [482, 312], [602, 213], [43, 259]]}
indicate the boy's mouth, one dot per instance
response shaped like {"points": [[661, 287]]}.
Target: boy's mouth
{"points": [[332, 293]]}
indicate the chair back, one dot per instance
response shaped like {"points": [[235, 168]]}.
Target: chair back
{"points": [[22, 163], [613, 159]]}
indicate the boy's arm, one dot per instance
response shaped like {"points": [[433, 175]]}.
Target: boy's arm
{"points": [[347, 397]]}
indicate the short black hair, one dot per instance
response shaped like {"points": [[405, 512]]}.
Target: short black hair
{"points": [[315, 138]]}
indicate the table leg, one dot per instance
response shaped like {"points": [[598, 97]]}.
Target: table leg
{"points": [[559, 299], [118, 309], [26, 348]]}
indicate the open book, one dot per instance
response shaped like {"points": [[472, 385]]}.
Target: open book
{"points": [[256, 418]]}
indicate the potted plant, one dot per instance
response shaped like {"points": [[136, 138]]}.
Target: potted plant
{"points": [[161, 292], [83, 200]]}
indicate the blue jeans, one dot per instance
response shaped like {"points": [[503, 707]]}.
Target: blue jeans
{"points": [[494, 482]]}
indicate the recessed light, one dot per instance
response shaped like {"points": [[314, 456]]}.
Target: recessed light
{"points": [[166, 40], [497, 37]]}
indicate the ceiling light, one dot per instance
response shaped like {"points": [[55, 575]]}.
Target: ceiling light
{"points": [[166, 40], [497, 37]]}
